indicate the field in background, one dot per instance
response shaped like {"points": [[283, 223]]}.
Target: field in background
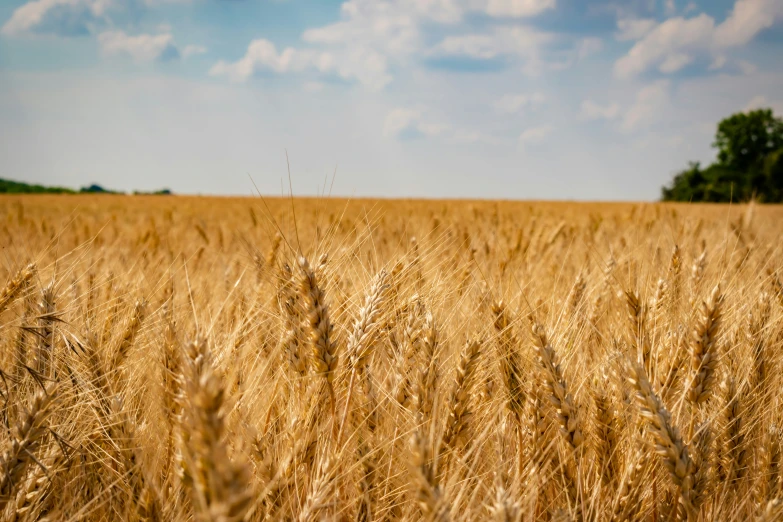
{"points": [[228, 359]]}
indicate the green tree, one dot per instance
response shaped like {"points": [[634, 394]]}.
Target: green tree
{"points": [[773, 174], [749, 163], [745, 139]]}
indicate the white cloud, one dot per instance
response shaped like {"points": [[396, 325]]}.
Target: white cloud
{"points": [[313, 86], [467, 137], [650, 105], [520, 42], [60, 17], [413, 122], [479, 46], [433, 129], [673, 43], [374, 34], [667, 39], [634, 28], [593, 111], [360, 64], [747, 19], [761, 102], [142, 48], [386, 17], [675, 62], [513, 103], [535, 134], [358, 47], [589, 46], [193, 50], [518, 8], [718, 62], [399, 120], [394, 28], [383, 26], [747, 68]]}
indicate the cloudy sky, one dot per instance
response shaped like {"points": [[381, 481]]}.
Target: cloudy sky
{"points": [[528, 99]]}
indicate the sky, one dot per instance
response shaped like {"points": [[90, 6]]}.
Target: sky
{"points": [[511, 99]]}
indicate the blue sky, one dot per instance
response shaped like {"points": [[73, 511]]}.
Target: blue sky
{"points": [[520, 99]]}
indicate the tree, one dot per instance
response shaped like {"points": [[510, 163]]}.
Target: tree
{"points": [[745, 139], [749, 163], [773, 173]]}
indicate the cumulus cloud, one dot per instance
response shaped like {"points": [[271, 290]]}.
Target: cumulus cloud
{"points": [[399, 120], [58, 17], [747, 19], [193, 50], [360, 64], [535, 134], [675, 62], [406, 123], [373, 35], [761, 102], [519, 43], [717, 62], [674, 43], [634, 28], [672, 38], [747, 68], [388, 27], [478, 46], [356, 48], [518, 8], [395, 25], [650, 103], [593, 111], [388, 14], [313, 87], [142, 48], [514, 103], [502, 41], [589, 46]]}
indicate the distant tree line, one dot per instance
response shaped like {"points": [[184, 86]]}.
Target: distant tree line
{"points": [[749, 163], [8, 186]]}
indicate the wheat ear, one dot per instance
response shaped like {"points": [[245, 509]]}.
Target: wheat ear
{"points": [[219, 485], [362, 337], [567, 412], [668, 442], [25, 439], [510, 360], [703, 349], [425, 479], [459, 414], [16, 285], [323, 349], [46, 319], [129, 334]]}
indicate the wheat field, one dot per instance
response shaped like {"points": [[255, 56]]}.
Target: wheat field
{"points": [[177, 358]]}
